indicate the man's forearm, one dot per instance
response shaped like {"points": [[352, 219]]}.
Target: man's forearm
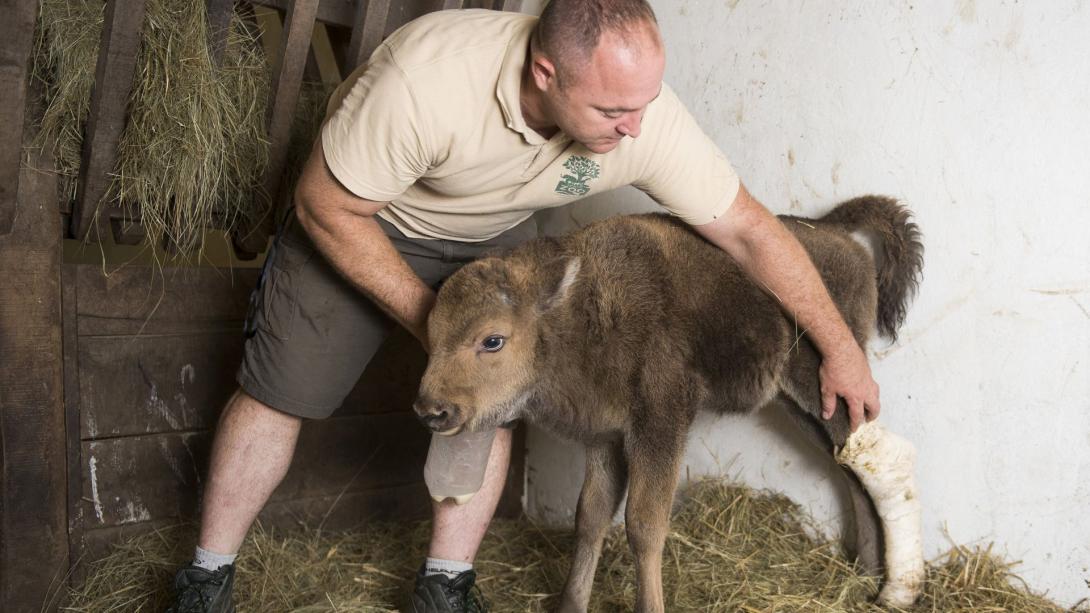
{"points": [[778, 261], [361, 252], [773, 257]]}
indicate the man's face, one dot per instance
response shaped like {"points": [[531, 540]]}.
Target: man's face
{"points": [[604, 101]]}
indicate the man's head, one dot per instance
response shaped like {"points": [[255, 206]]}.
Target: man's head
{"points": [[594, 67]]}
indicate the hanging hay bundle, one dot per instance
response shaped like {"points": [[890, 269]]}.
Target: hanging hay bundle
{"points": [[730, 549], [193, 148]]}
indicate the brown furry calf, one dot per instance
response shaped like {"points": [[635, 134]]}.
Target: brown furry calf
{"points": [[616, 335]]}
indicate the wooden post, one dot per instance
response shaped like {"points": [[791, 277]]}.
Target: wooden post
{"points": [[16, 35], [220, 13], [367, 34], [109, 106], [33, 522], [298, 26]]}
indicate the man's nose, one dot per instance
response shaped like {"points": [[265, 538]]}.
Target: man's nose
{"points": [[630, 124]]}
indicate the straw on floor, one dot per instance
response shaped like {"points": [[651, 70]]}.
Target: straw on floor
{"points": [[730, 549]]}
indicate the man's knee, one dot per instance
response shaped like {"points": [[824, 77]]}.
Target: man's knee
{"points": [[244, 408]]}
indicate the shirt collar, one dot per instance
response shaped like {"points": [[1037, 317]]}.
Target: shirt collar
{"points": [[509, 86]]}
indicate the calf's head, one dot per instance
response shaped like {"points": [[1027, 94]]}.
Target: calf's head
{"points": [[484, 336]]}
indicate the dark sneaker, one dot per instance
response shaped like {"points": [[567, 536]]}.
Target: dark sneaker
{"points": [[441, 594], [197, 590]]}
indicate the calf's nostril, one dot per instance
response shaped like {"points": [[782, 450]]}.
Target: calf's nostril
{"points": [[425, 407]]}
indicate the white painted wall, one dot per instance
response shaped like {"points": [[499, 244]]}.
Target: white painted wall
{"points": [[977, 114]]}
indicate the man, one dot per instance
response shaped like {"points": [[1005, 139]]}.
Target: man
{"points": [[460, 127]]}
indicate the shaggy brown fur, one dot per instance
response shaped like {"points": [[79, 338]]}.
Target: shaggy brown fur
{"points": [[617, 334]]}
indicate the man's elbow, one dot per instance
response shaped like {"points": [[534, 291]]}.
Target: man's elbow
{"points": [[746, 227], [304, 204]]}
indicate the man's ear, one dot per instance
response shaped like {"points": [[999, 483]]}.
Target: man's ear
{"points": [[558, 275], [543, 71]]}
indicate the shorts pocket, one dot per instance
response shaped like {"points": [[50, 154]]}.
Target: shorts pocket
{"points": [[280, 289]]}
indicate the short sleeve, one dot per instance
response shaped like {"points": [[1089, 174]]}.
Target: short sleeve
{"points": [[683, 170], [375, 142]]}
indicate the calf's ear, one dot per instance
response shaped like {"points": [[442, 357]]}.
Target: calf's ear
{"points": [[558, 275]]}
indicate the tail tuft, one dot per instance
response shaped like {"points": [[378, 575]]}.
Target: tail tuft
{"points": [[900, 266]]}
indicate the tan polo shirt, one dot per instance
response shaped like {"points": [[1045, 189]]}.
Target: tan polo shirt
{"points": [[433, 125]]}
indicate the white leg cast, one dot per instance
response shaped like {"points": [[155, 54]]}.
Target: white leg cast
{"points": [[885, 463]]}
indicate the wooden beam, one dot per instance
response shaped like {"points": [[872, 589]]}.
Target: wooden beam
{"points": [[371, 16], [16, 36], [33, 490], [298, 27], [149, 300], [220, 13], [69, 309], [336, 12], [109, 105]]}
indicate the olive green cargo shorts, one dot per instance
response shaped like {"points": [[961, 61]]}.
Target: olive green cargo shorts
{"points": [[309, 333]]}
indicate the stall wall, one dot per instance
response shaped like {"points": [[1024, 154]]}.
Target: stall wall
{"points": [[977, 115]]}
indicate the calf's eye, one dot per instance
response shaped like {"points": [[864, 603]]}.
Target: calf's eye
{"points": [[493, 343]]}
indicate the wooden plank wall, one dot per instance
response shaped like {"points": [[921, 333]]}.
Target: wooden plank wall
{"points": [[154, 362], [33, 555], [112, 384]]}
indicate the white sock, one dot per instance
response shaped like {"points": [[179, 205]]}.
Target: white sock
{"points": [[450, 568], [212, 561]]}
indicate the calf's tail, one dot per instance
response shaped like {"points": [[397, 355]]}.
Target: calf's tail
{"points": [[899, 260]]}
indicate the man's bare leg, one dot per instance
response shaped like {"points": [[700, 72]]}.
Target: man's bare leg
{"points": [[251, 453], [458, 530]]}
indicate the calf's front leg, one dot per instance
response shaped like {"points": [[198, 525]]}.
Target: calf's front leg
{"points": [[603, 488]]}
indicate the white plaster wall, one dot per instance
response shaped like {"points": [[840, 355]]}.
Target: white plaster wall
{"points": [[976, 114]]}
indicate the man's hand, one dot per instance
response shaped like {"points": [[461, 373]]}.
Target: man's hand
{"points": [[847, 375]]}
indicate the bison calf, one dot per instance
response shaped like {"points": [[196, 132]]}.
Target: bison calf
{"points": [[616, 335]]}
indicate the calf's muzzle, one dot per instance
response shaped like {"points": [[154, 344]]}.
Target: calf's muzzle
{"points": [[438, 415]]}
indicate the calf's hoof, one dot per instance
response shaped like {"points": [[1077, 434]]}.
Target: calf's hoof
{"points": [[902, 593]]}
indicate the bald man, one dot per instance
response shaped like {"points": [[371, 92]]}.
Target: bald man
{"points": [[462, 124]]}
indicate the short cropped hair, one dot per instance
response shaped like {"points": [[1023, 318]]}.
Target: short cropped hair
{"points": [[569, 30]]}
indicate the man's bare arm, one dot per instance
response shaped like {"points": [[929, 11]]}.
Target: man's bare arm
{"points": [[343, 227], [772, 256]]}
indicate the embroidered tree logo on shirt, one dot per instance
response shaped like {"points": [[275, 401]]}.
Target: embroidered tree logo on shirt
{"points": [[582, 170]]}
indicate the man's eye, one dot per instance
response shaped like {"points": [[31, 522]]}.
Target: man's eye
{"points": [[612, 115], [492, 343]]}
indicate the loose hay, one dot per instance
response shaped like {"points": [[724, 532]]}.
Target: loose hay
{"points": [[730, 549], [194, 146]]}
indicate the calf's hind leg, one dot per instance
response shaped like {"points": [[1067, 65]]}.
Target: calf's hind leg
{"points": [[884, 464], [603, 488]]}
